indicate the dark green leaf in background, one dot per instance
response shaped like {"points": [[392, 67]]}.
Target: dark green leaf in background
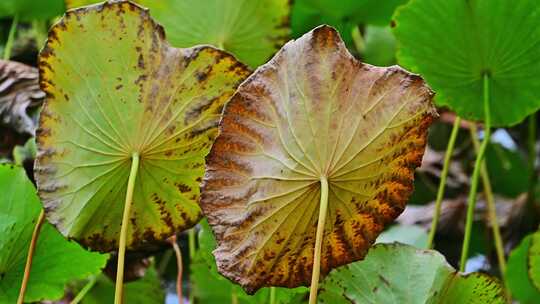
{"points": [[508, 170], [452, 43], [344, 15], [56, 260], [533, 260], [147, 290], [32, 9], [517, 278], [379, 46]]}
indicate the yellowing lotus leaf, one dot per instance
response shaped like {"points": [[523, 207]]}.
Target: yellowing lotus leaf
{"points": [[312, 118], [115, 87]]}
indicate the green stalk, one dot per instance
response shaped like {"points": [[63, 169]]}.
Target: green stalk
{"points": [[234, 297], [119, 288], [491, 209], [191, 246], [11, 37], [531, 143], [471, 201], [84, 290], [442, 183], [272, 295], [30, 256], [358, 40], [323, 210]]}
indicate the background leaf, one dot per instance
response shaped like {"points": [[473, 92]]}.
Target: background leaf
{"points": [[508, 170], [533, 260], [413, 235], [147, 290], [31, 10], [517, 275], [396, 273], [380, 46], [56, 260], [497, 37]]}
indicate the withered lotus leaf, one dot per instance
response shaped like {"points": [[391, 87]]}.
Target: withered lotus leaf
{"points": [[312, 113], [115, 87]]}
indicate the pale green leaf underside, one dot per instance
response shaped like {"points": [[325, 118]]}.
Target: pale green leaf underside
{"points": [[396, 273], [56, 260], [453, 43], [132, 93]]}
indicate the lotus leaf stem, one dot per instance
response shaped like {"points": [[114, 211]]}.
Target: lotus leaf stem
{"points": [[30, 256], [471, 201], [442, 183], [323, 208], [119, 288]]}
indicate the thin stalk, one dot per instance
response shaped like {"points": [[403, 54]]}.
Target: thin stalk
{"points": [[358, 40], [323, 209], [272, 295], [442, 183], [192, 243], [11, 38], [471, 201], [119, 288], [531, 143], [234, 297], [179, 264], [84, 290], [491, 209], [30, 256]]}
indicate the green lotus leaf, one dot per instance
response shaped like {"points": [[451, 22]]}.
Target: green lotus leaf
{"points": [[29, 10], [342, 14], [453, 43], [56, 261], [517, 276], [534, 260], [380, 46], [312, 117], [397, 273], [132, 94], [509, 172], [147, 290], [251, 30]]}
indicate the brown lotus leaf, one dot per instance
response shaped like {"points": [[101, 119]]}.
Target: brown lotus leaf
{"points": [[312, 113]]}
